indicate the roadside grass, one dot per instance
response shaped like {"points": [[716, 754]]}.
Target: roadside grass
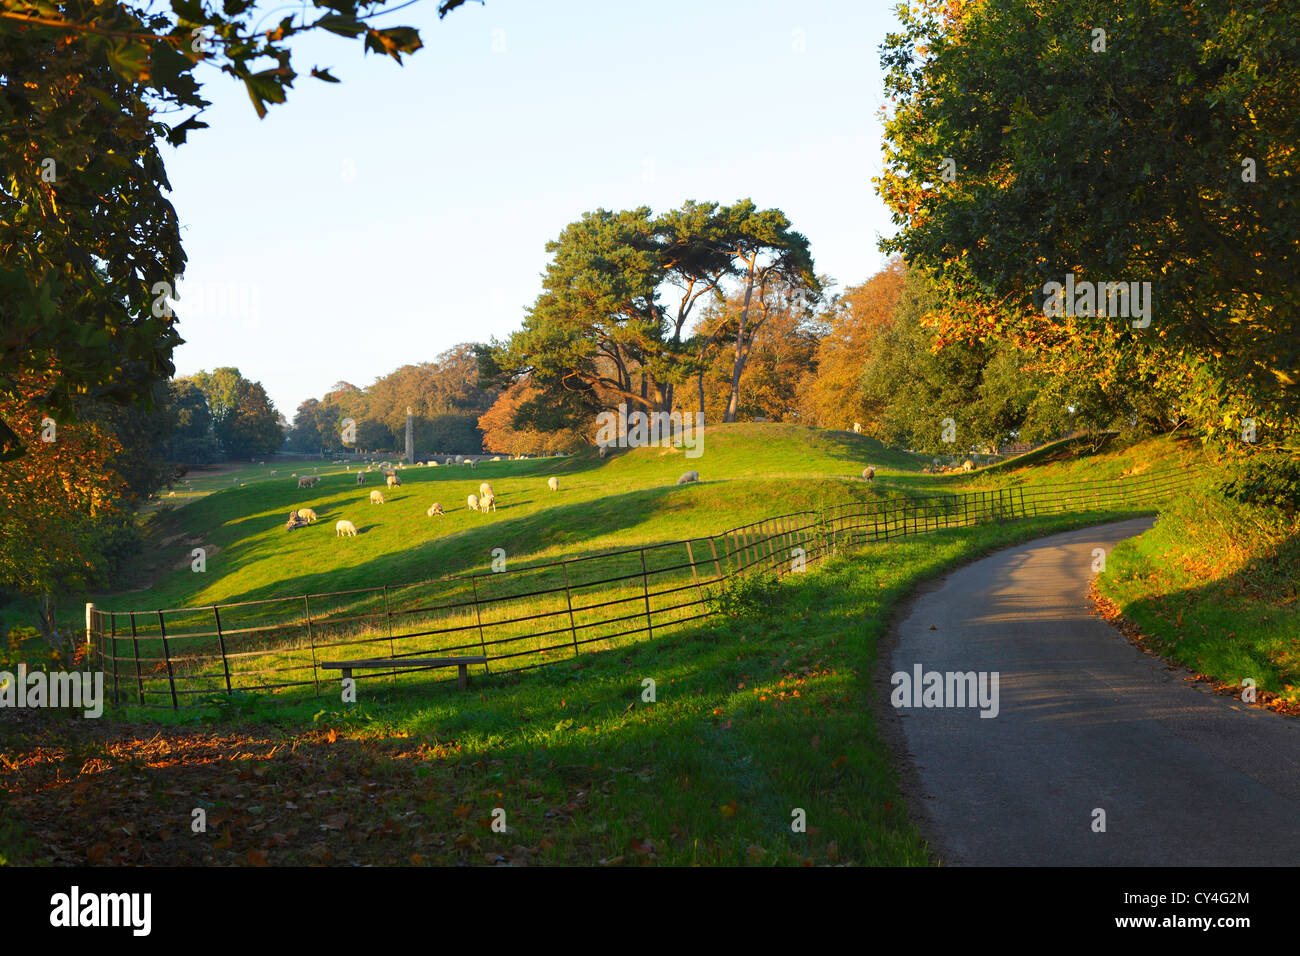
{"points": [[760, 711], [1215, 587]]}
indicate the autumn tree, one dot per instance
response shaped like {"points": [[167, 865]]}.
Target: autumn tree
{"points": [[831, 396], [1129, 141], [501, 436], [61, 502]]}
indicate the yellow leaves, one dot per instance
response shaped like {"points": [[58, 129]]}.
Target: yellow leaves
{"points": [[728, 809]]}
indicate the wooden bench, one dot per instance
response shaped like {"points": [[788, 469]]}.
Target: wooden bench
{"points": [[462, 663]]}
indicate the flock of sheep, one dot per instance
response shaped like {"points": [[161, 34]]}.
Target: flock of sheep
{"points": [[483, 502]]}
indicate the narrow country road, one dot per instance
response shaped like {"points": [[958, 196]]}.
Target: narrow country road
{"points": [[1085, 721]]}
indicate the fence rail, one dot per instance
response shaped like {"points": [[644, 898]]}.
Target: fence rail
{"points": [[532, 616]]}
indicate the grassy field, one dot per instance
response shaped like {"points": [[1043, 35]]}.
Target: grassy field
{"points": [[758, 713], [628, 500]]}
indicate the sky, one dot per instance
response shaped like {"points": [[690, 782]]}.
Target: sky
{"points": [[375, 223]]}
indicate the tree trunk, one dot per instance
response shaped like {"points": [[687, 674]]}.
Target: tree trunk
{"points": [[738, 366]]}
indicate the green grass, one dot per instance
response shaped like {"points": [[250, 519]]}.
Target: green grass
{"points": [[1214, 586], [628, 500], [755, 716]]}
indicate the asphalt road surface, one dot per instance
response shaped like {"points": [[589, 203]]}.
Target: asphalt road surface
{"points": [[1085, 722]]}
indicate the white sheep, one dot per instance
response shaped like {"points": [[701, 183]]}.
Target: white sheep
{"points": [[968, 465], [307, 481], [433, 464], [869, 474], [472, 502], [393, 482], [435, 509], [689, 477], [361, 477], [487, 503], [376, 497], [484, 489], [345, 528], [473, 465], [307, 515], [857, 428], [553, 483], [603, 451]]}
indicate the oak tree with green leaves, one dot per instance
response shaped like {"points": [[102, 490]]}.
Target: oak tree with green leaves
{"points": [[1117, 140]]}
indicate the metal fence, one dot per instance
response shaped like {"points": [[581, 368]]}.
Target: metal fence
{"points": [[530, 616]]}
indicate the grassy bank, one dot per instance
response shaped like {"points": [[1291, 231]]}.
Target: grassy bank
{"points": [[1214, 586]]}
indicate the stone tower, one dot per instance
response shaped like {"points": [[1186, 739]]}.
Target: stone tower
{"points": [[410, 437]]}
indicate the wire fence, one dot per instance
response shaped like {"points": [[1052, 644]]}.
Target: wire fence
{"points": [[531, 616]]}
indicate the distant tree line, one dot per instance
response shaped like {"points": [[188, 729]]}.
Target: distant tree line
{"points": [[445, 398]]}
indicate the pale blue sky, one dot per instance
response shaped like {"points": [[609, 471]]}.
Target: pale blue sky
{"points": [[377, 222]]}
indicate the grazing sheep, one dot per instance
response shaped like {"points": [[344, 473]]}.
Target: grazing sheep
{"points": [[553, 483], [272, 472], [361, 477], [484, 489], [435, 509], [376, 497], [487, 503], [433, 464], [307, 515], [497, 458], [171, 494], [394, 482], [603, 451], [968, 465], [473, 465], [857, 428], [345, 528], [869, 474], [307, 481], [689, 477], [472, 502]]}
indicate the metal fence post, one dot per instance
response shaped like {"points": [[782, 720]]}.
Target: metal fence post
{"points": [[221, 642], [311, 639], [568, 599], [135, 650], [478, 617], [167, 655], [645, 590]]}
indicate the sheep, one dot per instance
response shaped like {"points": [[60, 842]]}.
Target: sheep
{"points": [[603, 451], [553, 483], [376, 497], [487, 503], [435, 509], [394, 482], [361, 477], [472, 502], [171, 494], [473, 465], [497, 458], [307, 481], [857, 428], [869, 473], [307, 515], [272, 472], [968, 465], [433, 464], [484, 489], [345, 528], [689, 477]]}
